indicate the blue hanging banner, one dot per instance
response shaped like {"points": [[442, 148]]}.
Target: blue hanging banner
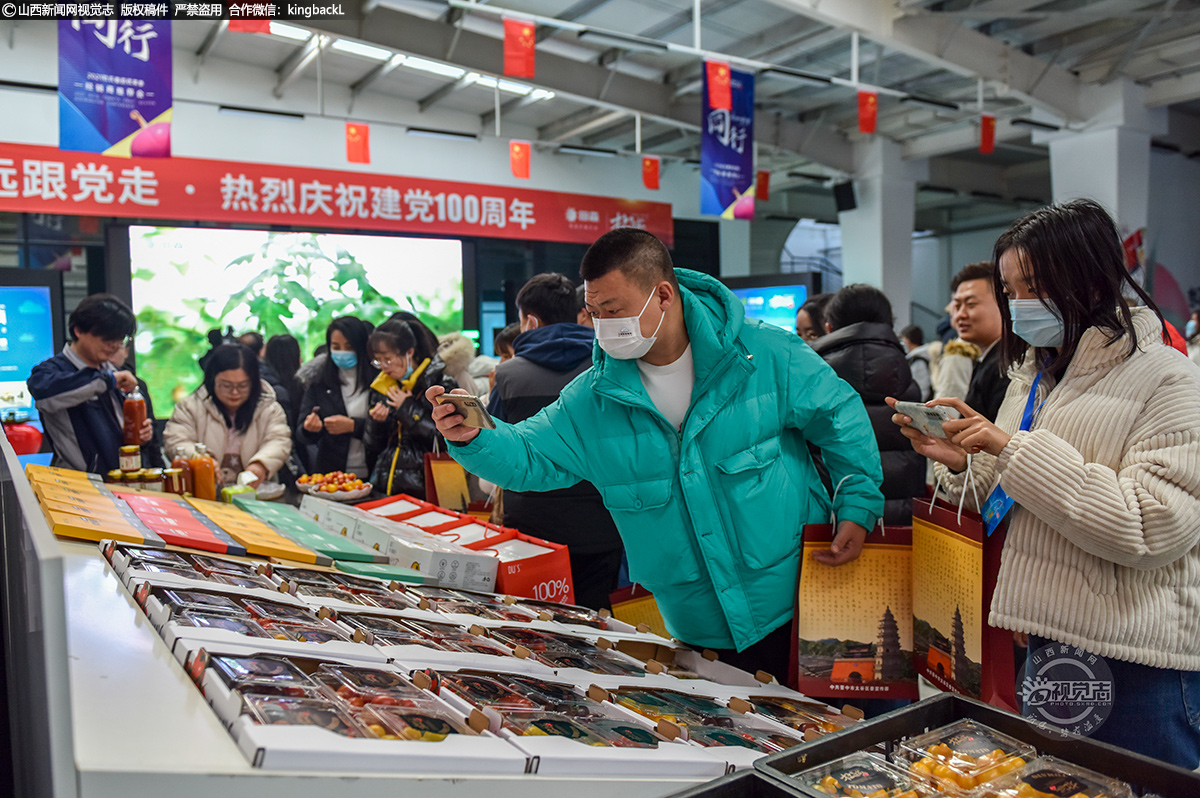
{"points": [[727, 152], [114, 87]]}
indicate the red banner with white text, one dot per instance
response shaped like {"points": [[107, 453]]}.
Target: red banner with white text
{"points": [[47, 180]]}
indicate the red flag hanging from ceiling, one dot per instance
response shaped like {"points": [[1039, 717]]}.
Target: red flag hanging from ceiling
{"points": [[868, 108], [762, 186], [518, 158], [720, 90], [358, 143], [987, 134], [519, 52], [650, 172], [249, 26]]}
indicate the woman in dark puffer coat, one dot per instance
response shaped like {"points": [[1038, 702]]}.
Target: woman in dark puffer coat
{"points": [[863, 349]]}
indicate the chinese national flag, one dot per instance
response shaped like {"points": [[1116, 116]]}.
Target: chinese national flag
{"points": [[518, 158], [987, 134], [519, 41], [650, 172], [868, 107], [762, 186], [720, 90], [249, 26], [358, 143]]}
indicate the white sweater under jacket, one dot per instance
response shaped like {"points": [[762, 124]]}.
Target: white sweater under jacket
{"points": [[1103, 546]]}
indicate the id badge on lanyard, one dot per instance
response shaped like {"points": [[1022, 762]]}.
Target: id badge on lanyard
{"points": [[999, 503]]}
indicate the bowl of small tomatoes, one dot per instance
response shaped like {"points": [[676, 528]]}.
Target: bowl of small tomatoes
{"points": [[336, 486]]}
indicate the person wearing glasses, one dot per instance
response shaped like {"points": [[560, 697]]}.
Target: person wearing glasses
{"points": [[400, 430], [335, 406], [79, 392], [234, 414]]}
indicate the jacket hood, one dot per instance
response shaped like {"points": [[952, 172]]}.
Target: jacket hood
{"points": [[310, 369], [456, 351], [868, 355], [560, 347], [714, 317]]}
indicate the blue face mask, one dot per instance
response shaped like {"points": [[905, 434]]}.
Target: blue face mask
{"points": [[1189, 329], [344, 360], [1035, 323], [408, 373]]}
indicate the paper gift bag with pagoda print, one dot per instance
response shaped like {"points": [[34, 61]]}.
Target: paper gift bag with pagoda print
{"points": [[954, 575], [853, 623]]}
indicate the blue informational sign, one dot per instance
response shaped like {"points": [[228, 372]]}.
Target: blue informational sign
{"points": [[777, 305], [727, 152], [26, 339], [114, 87]]}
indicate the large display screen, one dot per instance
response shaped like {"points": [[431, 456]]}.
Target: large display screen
{"points": [[27, 320], [774, 305], [187, 281]]}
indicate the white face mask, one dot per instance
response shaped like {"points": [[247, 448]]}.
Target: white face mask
{"points": [[622, 337], [1035, 323]]}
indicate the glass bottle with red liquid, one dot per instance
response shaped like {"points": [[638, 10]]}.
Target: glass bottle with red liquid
{"points": [[135, 417], [204, 474], [183, 461]]}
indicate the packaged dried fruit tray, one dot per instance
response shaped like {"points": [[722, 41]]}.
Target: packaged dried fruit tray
{"points": [[1048, 777], [861, 775], [960, 757]]}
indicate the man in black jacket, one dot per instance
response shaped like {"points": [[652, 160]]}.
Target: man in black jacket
{"points": [[552, 350], [976, 317]]}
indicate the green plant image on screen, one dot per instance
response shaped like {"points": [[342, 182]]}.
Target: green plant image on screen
{"points": [[187, 281]]}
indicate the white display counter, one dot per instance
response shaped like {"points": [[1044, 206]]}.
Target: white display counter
{"points": [[99, 707]]}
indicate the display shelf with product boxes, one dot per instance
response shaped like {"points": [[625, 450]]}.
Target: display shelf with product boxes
{"points": [[297, 526], [529, 566], [864, 774], [258, 538], [135, 563], [964, 755], [288, 712], [393, 507], [178, 523], [79, 506], [901, 736]]}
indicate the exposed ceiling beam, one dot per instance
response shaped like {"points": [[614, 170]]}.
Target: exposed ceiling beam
{"points": [[377, 72], [1179, 52], [1172, 90], [488, 119], [946, 43], [958, 138], [299, 60], [659, 139], [683, 19], [442, 92], [393, 28], [210, 40], [580, 9], [578, 123], [621, 128]]}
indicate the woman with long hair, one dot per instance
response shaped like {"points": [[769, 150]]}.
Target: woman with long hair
{"points": [[401, 431], [336, 400], [234, 413], [283, 355], [1094, 458]]}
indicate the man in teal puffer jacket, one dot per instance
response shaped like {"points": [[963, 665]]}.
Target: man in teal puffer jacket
{"points": [[693, 423]]}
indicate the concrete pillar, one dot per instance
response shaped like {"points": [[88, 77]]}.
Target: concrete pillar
{"points": [[1108, 157], [877, 235]]}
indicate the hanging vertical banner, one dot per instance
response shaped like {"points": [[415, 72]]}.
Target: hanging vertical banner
{"points": [[358, 142], [519, 48], [987, 134], [868, 109], [114, 87], [518, 158], [727, 151], [650, 166]]}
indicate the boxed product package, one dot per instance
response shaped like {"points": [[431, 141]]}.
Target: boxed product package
{"points": [[1049, 777], [294, 524], [257, 537], [863, 774], [441, 562], [530, 567], [964, 755], [393, 507], [178, 523]]}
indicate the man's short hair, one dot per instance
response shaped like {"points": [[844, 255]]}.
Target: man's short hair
{"points": [[550, 297], [635, 253], [858, 302], [104, 316], [984, 270], [913, 333], [252, 339]]}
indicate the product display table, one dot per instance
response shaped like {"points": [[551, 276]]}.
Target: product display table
{"points": [[116, 715]]}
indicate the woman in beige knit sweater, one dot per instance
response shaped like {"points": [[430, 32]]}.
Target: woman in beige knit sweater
{"points": [[1098, 445]]}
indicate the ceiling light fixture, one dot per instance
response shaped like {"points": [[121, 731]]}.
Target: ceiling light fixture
{"points": [[434, 133], [568, 149], [358, 48], [1021, 121], [433, 67], [929, 102], [290, 32], [796, 74], [623, 42]]}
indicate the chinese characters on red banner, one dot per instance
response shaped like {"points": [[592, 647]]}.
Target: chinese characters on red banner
{"points": [[46, 180]]}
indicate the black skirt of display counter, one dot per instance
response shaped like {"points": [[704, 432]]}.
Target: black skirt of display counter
{"points": [[743, 784], [1146, 775]]}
